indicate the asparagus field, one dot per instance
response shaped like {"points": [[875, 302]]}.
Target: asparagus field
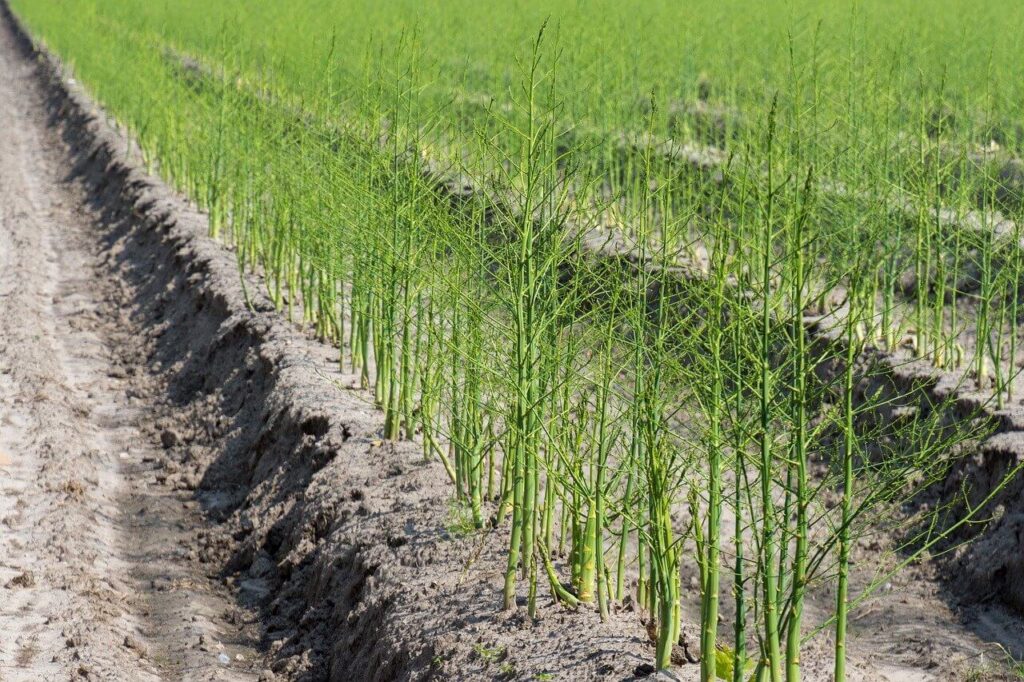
{"points": [[561, 340]]}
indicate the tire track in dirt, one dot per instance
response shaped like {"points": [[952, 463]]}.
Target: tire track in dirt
{"points": [[95, 581]]}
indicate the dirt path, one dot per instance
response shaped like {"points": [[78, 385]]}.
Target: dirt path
{"points": [[95, 581]]}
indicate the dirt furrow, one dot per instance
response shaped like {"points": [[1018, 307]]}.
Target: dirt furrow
{"points": [[94, 577]]}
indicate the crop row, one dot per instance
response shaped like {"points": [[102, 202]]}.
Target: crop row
{"points": [[623, 364]]}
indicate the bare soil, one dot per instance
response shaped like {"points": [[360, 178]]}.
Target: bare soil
{"points": [[192, 489], [95, 577]]}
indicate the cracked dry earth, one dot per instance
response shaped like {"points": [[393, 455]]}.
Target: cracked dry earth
{"points": [[96, 577]]}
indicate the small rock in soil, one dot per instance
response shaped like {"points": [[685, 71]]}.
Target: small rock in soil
{"points": [[168, 439], [134, 644], [25, 579]]}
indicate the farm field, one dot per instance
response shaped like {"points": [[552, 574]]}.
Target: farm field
{"points": [[542, 340]]}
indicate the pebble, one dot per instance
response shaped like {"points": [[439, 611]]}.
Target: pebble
{"points": [[168, 439], [134, 644]]}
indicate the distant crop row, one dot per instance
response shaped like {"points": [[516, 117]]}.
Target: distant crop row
{"points": [[649, 282]]}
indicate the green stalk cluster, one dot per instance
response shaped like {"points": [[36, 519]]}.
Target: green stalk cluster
{"points": [[646, 320]]}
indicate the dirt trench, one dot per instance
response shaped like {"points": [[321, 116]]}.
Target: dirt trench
{"points": [[95, 577]]}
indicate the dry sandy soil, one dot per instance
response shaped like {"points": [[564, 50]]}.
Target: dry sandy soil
{"points": [[94, 545], [191, 489]]}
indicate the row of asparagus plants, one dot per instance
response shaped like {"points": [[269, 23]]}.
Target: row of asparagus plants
{"points": [[617, 417]]}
